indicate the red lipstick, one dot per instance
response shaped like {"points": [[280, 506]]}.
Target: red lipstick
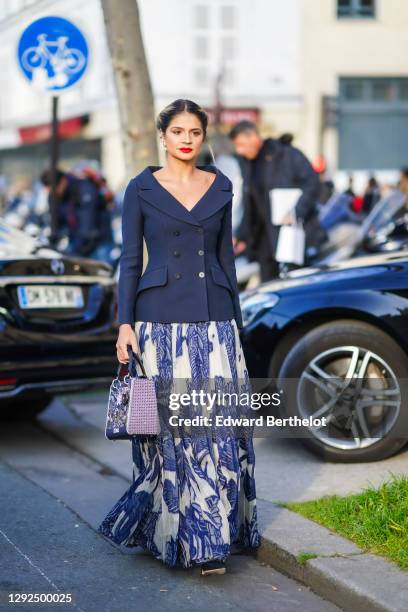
{"points": [[186, 149]]}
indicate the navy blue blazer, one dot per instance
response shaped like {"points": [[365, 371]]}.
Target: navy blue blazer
{"points": [[190, 273]]}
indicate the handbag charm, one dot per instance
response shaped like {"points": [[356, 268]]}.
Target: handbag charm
{"points": [[132, 404]]}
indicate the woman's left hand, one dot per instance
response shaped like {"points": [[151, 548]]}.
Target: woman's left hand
{"points": [[289, 219]]}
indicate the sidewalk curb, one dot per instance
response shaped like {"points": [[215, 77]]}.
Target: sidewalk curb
{"points": [[339, 570]]}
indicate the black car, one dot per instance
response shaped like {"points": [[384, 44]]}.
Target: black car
{"points": [[334, 340], [57, 329]]}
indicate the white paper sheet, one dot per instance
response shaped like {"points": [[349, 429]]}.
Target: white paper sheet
{"points": [[282, 201], [291, 244]]}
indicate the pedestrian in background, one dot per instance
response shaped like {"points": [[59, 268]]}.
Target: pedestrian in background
{"points": [[267, 164], [403, 183], [350, 186], [82, 215], [371, 195]]}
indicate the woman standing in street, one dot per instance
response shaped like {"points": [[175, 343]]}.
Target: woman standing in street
{"points": [[192, 496]]}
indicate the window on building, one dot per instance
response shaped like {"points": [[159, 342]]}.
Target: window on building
{"points": [[4, 9], [355, 8], [201, 47], [403, 89], [228, 48], [227, 17], [15, 6], [372, 127], [352, 89], [383, 89], [229, 77], [201, 16], [201, 76], [374, 89]]}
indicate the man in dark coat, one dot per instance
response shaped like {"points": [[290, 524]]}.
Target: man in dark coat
{"points": [[82, 214], [267, 164]]}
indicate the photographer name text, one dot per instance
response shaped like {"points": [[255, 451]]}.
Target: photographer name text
{"points": [[259, 421]]}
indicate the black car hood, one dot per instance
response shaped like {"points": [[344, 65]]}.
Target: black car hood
{"points": [[356, 267]]}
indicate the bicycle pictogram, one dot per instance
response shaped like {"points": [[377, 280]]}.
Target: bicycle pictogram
{"points": [[62, 59]]}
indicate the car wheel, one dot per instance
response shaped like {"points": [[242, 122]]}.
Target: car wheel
{"points": [[353, 374], [24, 409]]}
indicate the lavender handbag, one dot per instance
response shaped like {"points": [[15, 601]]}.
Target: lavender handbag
{"points": [[132, 404]]}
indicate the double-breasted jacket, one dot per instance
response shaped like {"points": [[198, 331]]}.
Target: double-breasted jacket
{"points": [[190, 273]]}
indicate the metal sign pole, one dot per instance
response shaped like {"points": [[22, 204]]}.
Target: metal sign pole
{"points": [[53, 56], [54, 153]]}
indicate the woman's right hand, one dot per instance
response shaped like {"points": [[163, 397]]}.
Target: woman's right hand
{"points": [[126, 336], [238, 246]]}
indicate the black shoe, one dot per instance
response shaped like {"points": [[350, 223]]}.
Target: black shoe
{"points": [[213, 567]]}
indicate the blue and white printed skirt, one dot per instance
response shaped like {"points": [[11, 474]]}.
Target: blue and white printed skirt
{"points": [[191, 496]]}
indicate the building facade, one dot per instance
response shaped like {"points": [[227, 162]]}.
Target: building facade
{"points": [[332, 72], [250, 47], [355, 85]]}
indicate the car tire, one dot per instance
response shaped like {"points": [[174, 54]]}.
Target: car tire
{"points": [[329, 336]]}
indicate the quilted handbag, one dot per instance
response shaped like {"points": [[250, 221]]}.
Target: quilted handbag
{"points": [[132, 404]]}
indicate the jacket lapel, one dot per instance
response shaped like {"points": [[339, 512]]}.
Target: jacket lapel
{"points": [[219, 194]]}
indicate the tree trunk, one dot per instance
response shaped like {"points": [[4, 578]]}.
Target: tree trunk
{"points": [[133, 87]]}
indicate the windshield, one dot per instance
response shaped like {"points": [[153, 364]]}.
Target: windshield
{"points": [[13, 239], [390, 207]]}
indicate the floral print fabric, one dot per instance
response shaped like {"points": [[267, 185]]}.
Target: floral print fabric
{"points": [[192, 496]]}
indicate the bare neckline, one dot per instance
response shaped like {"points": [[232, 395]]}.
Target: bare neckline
{"points": [[176, 199]]}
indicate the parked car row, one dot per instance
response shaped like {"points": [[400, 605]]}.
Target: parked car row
{"points": [[333, 336], [56, 324]]}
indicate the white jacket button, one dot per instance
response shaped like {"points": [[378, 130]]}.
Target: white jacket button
{"points": [[201, 274]]}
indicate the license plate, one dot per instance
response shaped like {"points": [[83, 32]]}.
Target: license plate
{"points": [[50, 296]]}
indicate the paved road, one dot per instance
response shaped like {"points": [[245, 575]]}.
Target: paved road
{"points": [[61, 476]]}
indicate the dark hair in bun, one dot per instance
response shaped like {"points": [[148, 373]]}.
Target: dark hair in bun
{"points": [[179, 106]]}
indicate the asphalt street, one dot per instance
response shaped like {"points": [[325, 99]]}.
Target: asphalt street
{"points": [[59, 477]]}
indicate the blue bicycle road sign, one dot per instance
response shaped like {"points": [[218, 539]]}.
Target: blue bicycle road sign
{"points": [[53, 54]]}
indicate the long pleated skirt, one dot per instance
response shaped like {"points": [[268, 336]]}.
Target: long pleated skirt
{"points": [[193, 494]]}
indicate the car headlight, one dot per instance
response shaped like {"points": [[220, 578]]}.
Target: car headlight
{"points": [[253, 304]]}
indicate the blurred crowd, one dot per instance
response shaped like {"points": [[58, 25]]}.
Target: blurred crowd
{"points": [[89, 212]]}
